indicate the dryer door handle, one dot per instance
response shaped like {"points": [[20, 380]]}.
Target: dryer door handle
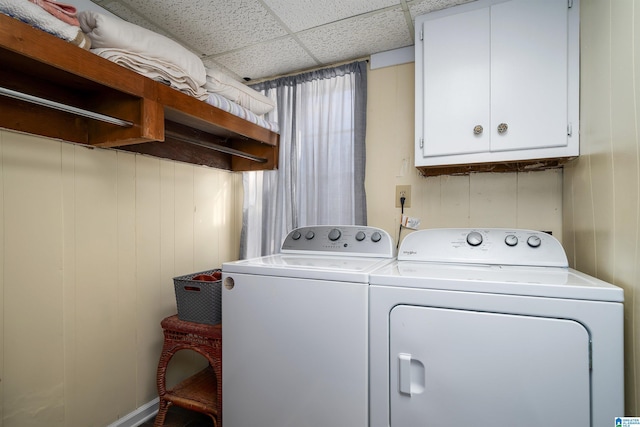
{"points": [[410, 375], [404, 373]]}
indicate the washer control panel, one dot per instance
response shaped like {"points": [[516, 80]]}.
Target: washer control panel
{"points": [[346, 239], [496, 246]]}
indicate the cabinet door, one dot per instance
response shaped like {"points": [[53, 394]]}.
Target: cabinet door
{"points": [[456, 61], [489, 63], [529, 66], [471, 368]]}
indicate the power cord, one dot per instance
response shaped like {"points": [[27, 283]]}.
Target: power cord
{"points": [[402, 199]]}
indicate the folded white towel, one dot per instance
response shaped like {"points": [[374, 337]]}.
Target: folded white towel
{"points": [[109, 32], [222, 84], [155, 69], [37, 17]]}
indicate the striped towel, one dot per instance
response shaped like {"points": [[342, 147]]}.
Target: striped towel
{"points": [[223, 103]]}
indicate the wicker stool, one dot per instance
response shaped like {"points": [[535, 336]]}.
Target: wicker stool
{"points": [[201, 392]]}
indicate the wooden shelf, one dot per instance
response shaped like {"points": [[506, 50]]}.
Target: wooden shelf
{"points": [[162, 119]]}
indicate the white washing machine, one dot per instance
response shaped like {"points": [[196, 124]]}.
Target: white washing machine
{"points": [[488, 327], [295, 330]]}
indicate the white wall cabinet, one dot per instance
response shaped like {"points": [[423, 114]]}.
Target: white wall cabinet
{"points": [[497, 82]]}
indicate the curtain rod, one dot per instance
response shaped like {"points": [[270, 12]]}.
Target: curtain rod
{"points": [[306, 70], [63, 107], [213, 146]]}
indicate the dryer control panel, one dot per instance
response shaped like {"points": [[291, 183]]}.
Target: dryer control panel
{"points": [[350, 240], [495, 246]]}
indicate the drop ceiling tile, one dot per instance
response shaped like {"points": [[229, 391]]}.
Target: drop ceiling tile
{"points": [[131, 16], [211, 26], [358, 37], [273, 58], [420, 7], [304, 14], [215, 65]]}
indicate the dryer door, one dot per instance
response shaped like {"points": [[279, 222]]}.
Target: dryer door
{"points": [[457, 367]]}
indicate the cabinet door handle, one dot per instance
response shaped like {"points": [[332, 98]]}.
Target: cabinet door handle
{"points": [[477, 130], [502, 128]]}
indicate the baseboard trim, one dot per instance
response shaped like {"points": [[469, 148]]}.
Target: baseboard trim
{"points": [[139, 416]]}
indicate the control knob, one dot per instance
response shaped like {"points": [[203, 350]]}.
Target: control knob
{"points": [[310, 235], [511, 240], [534, 241], [376, 236], [296, 235], [474, 238], [360, 236], [334, 234]]}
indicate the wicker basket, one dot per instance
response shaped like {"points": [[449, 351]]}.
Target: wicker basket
{"points": [[199, 301]]}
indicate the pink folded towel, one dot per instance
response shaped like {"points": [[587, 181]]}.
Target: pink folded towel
{"points": [[62, 11]]}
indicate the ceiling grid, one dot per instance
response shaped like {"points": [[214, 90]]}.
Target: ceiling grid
{"points": [[257, 39]]}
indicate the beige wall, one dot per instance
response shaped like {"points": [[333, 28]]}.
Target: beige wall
{"points": [[90, 242], [601, 203], [524, 200]]}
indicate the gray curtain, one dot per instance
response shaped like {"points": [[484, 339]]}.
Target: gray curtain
{"points": [[320, 177]]}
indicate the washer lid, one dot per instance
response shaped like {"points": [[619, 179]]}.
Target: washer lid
{"points": [[552, 282], [336, 268]]}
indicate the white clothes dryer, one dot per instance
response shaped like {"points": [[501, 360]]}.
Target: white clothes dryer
{"points": [[487, 327], [295, 328]]}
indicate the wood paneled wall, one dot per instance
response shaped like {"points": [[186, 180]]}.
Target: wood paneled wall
{"points": [[602, 189], [90, 242]]}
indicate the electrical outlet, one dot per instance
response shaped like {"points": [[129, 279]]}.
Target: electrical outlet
{"points": [[403, 191]]}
